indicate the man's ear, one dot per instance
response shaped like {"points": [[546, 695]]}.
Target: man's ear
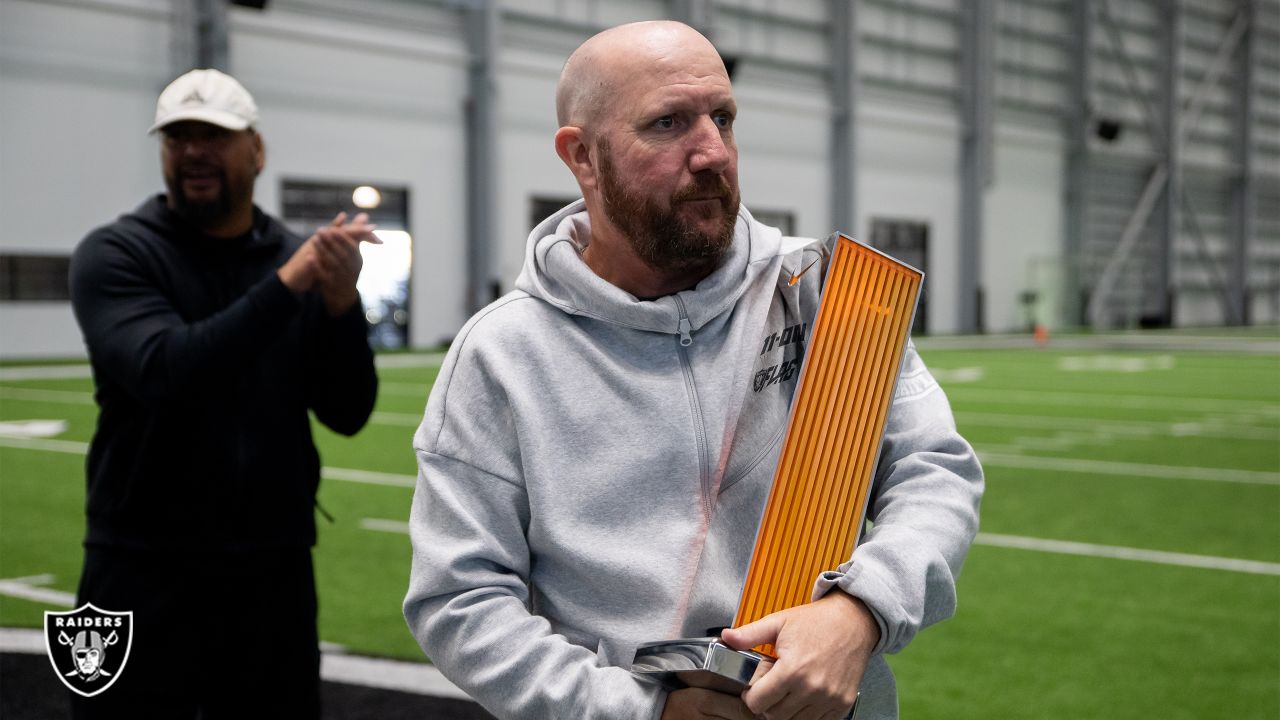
{"points": [[575, 152], [259, 153]]}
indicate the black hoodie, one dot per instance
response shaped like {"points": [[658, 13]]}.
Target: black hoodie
{"points": [[205, 366]]}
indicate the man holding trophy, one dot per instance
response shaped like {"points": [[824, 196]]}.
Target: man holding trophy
{"points": [[600, 444]]}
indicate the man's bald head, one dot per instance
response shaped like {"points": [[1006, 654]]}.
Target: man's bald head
{"points": [[594, 72]]}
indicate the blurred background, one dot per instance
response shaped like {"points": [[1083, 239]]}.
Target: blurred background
{"points": [[1091, 186]]}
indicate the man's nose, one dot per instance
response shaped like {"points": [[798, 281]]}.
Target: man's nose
{"points": [[712, 147]]}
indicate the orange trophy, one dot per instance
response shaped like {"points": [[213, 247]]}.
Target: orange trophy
{"points": [[818, 502]]}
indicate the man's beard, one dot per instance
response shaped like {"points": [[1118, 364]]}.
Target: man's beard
{"points": [[201, 213], [662, 239]]}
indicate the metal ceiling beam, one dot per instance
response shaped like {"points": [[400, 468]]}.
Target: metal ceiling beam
{"points": [[977, 29], [1156, 188], [844, 126], [480, 18]]}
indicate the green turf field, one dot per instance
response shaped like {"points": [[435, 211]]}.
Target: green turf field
{"points": [[1128, 567]]}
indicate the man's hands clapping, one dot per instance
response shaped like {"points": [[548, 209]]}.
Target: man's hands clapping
{"points": [[329, 261]]}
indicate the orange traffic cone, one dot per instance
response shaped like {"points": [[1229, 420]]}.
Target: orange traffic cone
{"points": [[1041, 334]]}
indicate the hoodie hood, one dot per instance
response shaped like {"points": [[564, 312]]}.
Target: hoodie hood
{"points": [[555, 272]]}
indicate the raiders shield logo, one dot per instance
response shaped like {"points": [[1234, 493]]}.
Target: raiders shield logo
{"points": [[88, 647]]}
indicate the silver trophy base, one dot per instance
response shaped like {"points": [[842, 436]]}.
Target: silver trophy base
{"points": [[697, 662], [701, 663]]}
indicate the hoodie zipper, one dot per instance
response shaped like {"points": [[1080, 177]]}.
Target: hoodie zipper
{"points": [[684, 340]]}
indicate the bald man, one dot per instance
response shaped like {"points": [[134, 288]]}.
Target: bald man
{"points": [[599, 445]]}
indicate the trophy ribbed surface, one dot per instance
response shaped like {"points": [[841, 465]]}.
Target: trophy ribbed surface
{"points": [[818, 501]]}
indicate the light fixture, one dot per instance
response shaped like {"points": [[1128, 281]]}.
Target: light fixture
{"points": [[366, 197]]}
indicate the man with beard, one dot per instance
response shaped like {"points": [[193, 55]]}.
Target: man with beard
{"points": [[595, 456], [213, 331]]}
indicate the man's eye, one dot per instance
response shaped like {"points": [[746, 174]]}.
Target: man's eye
{"points": [[724, 120], [666, 122]]}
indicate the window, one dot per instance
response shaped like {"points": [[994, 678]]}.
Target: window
{"points": [[34, 277], [384, 279]]}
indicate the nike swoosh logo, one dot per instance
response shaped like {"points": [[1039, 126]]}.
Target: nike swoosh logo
{"points": [[796, 278]]}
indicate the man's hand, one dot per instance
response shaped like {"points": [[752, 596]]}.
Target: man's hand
{"points": [[330, 261], [697, 704], [822, 650], [338, 255]]}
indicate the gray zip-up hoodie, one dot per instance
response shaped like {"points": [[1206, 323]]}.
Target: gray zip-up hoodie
{"points": [[593, 468]]}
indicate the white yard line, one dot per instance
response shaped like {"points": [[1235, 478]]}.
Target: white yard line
{"points": [[1076, 465], [396, 419], [1159, 557], [1215, 428], [70, 447], [29, 588], [45, 372], [1112, 400], [419, 678], [62, 397], [1112, 467], [408, 360], [418, 390], [381, 525], [368, 477]]}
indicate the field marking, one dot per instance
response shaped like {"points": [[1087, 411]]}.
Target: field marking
{"points": [[396, 419], [381, 525], [1211, 427], [46, 372], [70, 447], [1114, 400], [418, 390], [1032, 462], [28, 588], [65, 397], [418, 678], [1115, 363], [368, 477], [32, 428], [1159, 557], [1115, 467], [958, 375], [409, 360]]}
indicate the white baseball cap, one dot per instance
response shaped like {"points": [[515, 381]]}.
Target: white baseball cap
{"points": [[206, 96]]}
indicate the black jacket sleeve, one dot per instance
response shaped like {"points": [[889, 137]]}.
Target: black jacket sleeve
{"points": [[342, 384], [137, 338]]}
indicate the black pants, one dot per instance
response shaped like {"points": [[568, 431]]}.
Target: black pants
{"points": [[227, 635]]}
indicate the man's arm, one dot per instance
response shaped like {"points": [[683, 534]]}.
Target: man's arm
{"points": [[343, 384], [900, 579], [140, 341], [469, 600]]}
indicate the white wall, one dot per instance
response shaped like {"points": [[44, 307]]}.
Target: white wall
{"points": [[375, 93], [908, 169], [77, 92], [1023, 226]]}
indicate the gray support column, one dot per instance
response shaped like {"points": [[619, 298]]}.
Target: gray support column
{"points": [[1170, 220], [1244, 193], [844, 127], [481, 22], [199, 35], [694, 13], [1079, 130], [975, 155]]}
